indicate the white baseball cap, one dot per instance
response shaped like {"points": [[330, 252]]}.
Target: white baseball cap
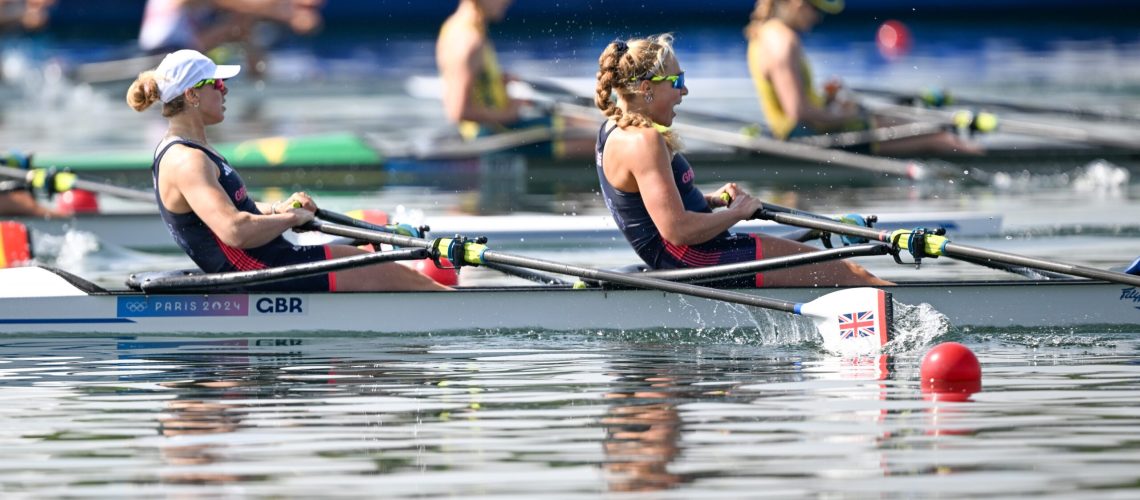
{"points": [[182, 70]]}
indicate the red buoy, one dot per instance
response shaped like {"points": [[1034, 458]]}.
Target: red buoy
{"points": [[950, 372], [77, 201], [893, 39], [446, 277]]}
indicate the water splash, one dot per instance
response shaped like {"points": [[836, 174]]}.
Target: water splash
{"points": [[66, 251], [83, 254], [404, 215], [916, 327], [1101, 177]]}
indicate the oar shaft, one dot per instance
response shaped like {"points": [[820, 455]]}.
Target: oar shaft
{"points": [[1021, 127], [1023, 107], [723, 271], [116, 191], [954, 249], [555, 267], [886, 166], [856, 137], [217, 281], [95, 187], [823, 224], [640, 281], [363, 234], [905, 169]]}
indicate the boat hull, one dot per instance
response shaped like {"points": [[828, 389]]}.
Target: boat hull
{"points": [[1058, 306]]}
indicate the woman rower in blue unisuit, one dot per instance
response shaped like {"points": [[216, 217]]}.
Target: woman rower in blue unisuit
{"points": [[791, 104], [649, 186], [205, 203]]}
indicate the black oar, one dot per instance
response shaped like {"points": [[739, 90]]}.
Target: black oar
{"points": [[922, 244], [60, 181], [219, 281], [887, 166], [1017, 126], [581, 106], [881, 134], [748, 268], [827, 140], [865, 312], [942, 98]]}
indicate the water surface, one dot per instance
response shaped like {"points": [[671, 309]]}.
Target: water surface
{"points": [[532, 413]]}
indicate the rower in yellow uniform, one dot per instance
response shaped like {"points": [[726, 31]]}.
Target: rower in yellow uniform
{"points": [[793, 107], [475, 87]]}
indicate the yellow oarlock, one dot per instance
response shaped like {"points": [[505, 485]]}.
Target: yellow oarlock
{"points": [[986, 122], [932, 243], [472, 251], [60, 182]]}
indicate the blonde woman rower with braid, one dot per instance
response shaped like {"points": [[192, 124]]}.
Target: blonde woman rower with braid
{"points": [[648, 184]]}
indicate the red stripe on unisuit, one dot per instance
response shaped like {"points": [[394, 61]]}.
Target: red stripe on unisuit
{"points": [[759, 255], [238, 258], [332, 276], [691, 257]]}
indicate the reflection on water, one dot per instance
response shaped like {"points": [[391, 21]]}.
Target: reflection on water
{"points": [[529, 415]]}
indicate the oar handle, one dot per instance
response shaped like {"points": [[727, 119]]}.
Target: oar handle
{"points": [[343, 219], [772, 207]]}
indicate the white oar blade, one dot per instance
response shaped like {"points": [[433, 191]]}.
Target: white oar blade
{"points": [[853, 322]]}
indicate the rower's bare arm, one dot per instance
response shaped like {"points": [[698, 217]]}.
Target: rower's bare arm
{"points": [[783, 63], [196, 178], [303, 16], [459, 57], [649, 160]]}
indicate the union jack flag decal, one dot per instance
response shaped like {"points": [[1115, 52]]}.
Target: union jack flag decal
{"points": [[857, 325]]}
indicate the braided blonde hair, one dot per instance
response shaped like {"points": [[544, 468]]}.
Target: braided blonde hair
{"points": [[621, 67]]}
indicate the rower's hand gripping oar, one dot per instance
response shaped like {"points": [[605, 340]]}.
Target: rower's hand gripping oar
{"points": [[921, 243], [852, 322], [824, 236]]}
